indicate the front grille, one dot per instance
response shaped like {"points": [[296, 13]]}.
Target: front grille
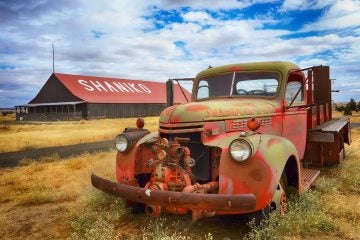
{"points": [[183, 130]]}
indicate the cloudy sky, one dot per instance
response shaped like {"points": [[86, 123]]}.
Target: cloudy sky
{"points": [[161, 39]]}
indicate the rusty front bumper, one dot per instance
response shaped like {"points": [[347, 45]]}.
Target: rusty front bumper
{"points": [[198, 201]]}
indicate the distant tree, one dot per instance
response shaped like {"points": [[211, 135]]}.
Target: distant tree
{"points": [[352, 104], [347, 110], [340, 108], [358, 106]]}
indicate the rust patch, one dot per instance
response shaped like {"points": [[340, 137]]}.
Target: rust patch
{"points": [[256, 175], [272, 142], [175, 119], [167, 112], [196, 107], [235, 68]]}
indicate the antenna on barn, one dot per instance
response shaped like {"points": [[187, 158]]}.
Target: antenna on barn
{"points": [[53, 57]]}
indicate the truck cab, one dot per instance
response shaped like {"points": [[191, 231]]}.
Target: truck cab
{"points": [[251, 132]]}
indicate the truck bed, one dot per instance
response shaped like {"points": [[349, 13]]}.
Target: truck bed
{"points": [[334, 125], [325, 143]]}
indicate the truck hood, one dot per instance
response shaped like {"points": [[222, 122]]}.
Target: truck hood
{"points": [[218, 110]]}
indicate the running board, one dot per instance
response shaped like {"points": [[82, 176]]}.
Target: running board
{"points": [[308, 176]]}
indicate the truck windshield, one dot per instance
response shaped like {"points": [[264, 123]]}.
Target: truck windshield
{"points": [[239, 84]]}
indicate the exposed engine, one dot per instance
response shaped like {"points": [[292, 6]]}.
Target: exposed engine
{"points": [[172, 164]]}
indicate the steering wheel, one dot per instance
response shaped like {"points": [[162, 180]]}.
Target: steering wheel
{"points": [[241, 91], [257, 92]]}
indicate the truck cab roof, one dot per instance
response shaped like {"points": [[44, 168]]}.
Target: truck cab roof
{"points": [[282, 66]]}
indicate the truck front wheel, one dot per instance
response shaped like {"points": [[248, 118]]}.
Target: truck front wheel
{"points": [[280, 198]]}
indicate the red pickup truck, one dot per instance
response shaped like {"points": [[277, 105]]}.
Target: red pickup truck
{"points": [[251, 133]]}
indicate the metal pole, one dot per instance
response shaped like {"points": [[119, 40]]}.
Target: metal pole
{"points": [[53, 57]]}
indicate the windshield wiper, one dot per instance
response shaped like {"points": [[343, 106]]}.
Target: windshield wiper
{"points": [[232, 86]]}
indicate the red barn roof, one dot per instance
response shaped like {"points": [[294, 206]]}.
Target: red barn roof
{"points": [[115, 90]]}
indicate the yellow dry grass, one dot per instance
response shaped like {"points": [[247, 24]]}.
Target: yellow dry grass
{"points": [[38, 201], [355, 117], [30, 136], [7, 117], [340, 188]]}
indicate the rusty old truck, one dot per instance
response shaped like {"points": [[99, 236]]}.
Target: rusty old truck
{"points": [[252, 133]]}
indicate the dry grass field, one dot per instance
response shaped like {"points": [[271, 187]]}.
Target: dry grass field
{"points": [[7, 117], [355, 117], [54, 200], [30, 136]]}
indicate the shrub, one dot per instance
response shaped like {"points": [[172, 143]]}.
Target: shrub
{"points": [[352, 104], [339, 108], [347, 110]]}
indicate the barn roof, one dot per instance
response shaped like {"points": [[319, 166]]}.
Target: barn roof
{"points": [[109, 90]]}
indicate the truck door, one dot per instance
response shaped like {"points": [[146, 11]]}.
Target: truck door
{"points": [[294, 122]]}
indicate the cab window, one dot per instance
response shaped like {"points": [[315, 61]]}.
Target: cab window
{"points": [[203, 90]]}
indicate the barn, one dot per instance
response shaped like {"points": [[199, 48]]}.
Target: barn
{"points": [[75, 97]]}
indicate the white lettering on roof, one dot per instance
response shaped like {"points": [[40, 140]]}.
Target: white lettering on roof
{"points": [[144, 88], [132, 85], [126, 84], [113, 86], [98, 86], [110, 87], [84, 83], [120, 87]]}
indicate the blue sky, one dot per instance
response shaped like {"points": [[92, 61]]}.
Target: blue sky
{"points": [[161, 39]]}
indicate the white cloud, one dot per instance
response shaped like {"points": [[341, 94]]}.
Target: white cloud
{"points": [[208, 4], [198, 16], [342, 14], [291, 5], [350, 84]]}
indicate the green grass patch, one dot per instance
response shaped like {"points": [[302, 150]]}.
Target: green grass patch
{"points": [[162, 229], [350, 173], [305, 218], [100, 218]]}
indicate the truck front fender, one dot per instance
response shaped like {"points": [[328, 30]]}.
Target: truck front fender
{"points": [[125, 162], [261, 173]]}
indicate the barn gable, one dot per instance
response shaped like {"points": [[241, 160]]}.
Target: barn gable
{"points": [[54, 91]]}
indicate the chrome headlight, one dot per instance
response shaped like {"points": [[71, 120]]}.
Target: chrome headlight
{"points": [[121, 143], [240, 150]]}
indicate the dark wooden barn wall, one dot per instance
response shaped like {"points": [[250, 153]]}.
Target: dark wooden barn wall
{"points": [[110, 110], [54, 91], [49, 116]]}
